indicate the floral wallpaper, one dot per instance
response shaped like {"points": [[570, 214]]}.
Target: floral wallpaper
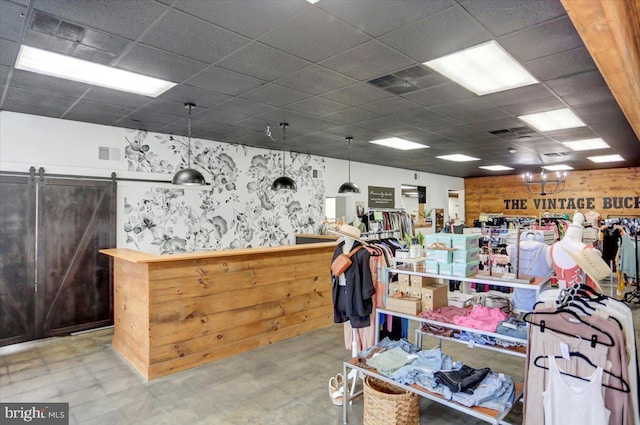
{"points": [[238, 209]]}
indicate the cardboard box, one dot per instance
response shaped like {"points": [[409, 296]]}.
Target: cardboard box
{"points": [[420, 281], [465, 256], [464, 270], [465, 241], [434, 296], [395, 287], [431, 266], [439, 255], [407, 305], [460, 300], [403, 279]]}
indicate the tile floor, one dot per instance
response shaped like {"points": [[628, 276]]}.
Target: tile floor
{"points": [[285, 383]]}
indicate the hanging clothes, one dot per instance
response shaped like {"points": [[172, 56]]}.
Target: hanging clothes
{"points": [[610, 236]]}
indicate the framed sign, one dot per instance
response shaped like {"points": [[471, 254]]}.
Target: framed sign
{"points": [[381, 197]]}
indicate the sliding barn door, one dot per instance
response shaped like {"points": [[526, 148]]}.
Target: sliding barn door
{"points": [[76, 218], [17, 259]]}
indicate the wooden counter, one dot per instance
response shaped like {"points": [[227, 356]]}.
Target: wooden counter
{"points": [[174, 312]]}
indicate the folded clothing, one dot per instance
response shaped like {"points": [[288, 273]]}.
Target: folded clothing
{"points": [[445, 314], [496, 391], [513, 327], [390, 360], [464, 380], [481, 317]]}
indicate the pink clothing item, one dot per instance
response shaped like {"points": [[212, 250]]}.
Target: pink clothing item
{"points": [[445, 314], [483, 318]]}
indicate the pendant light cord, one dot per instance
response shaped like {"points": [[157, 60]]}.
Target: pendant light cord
{"points": [[189, 106], [349, 139], [284, 142]]}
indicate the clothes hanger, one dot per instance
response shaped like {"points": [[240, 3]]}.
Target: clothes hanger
{"points": [[542, 325], [625, 385]]}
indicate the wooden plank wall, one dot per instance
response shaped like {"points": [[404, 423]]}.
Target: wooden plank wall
{"points": [[610, 191], [201, 310]]}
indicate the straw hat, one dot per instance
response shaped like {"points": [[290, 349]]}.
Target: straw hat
{"points": [[348, 231], [590, 261]]}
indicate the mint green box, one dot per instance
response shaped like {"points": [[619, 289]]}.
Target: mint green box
{"points": [[465, 256], [439, 255], [431, 266], [464, 270], [444, 238], [445, 269], [465, 242], [430, 238]]}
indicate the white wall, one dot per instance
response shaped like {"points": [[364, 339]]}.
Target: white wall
{"points": [[71, 147]]}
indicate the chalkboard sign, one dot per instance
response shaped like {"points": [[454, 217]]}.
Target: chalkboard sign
{"points": [[381, 197]]}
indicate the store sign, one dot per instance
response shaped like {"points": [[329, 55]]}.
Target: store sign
{"points": [[605, 203], [381, 197]]}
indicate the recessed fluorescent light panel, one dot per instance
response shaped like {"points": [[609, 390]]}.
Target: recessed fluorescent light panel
{"points": [[495, 168], [586, 145], [313, 1], [558, 167], [70, 68], [398, 143], [483, 69], [458, 158], [553, 120], [404, 187], [606, 158]]}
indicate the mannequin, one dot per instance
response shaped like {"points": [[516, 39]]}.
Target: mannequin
{"points": [[567, 271], [533, 262]]}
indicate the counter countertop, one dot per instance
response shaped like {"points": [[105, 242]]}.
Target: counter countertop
{"points": [[143, 257]]}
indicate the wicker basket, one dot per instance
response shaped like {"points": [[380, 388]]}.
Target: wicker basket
{"points": [[386, 404]]}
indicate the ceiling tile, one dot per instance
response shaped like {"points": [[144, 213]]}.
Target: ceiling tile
{"points": [[157, 63], [147, 116], [317, 106], [357, 94], [166, 107], [273, 94], [44, 83], [248, 17], [12, 18], [502, 17], [500, 124], [378, 124], [604, 112], [561, 64], [602, 94], [116, 97], [571, 134], [241, 107], [224, 81], [34, 109], [188, 94], [33, 97], [534, 106], [8, 52], [551, 37], [261, 61], [367, 61], [453, 29], [315, 80], [577, 83], [437, 95], [390, 106], [471, 110], [385, 16], [101, 113], [4, 74], [203, 41], [120, 17], [314, 35], [350, 115], [298, 123]]}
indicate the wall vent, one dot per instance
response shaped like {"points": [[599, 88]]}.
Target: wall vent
{"points": [[555, 154], [105, 153]]}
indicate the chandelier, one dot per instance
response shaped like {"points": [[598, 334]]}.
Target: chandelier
{"points": [[544, 184]]}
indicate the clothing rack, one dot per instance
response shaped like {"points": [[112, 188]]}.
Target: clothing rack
{"points": [[633, 296]]}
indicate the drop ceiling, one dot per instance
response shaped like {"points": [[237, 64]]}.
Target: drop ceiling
{"points": [[334, 69]]}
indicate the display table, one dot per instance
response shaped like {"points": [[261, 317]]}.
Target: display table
{"points": [[174, 312]]}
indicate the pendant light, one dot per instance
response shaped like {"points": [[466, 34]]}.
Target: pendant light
{"points": [[284, 182], [189, 176], [349, 187]]}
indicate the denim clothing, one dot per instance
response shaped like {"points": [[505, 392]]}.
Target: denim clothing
{"points": [[463, 380], [504, 398], [491, 387], [389, 361], [520, 330], [388, 344], [475, 338]]}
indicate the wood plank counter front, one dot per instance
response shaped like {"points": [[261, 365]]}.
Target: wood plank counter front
{"points": [[174, 312]]}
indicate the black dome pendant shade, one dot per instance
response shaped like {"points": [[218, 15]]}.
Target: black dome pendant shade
{"points": [[349, 187], [283, 182], [189, 176]]}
